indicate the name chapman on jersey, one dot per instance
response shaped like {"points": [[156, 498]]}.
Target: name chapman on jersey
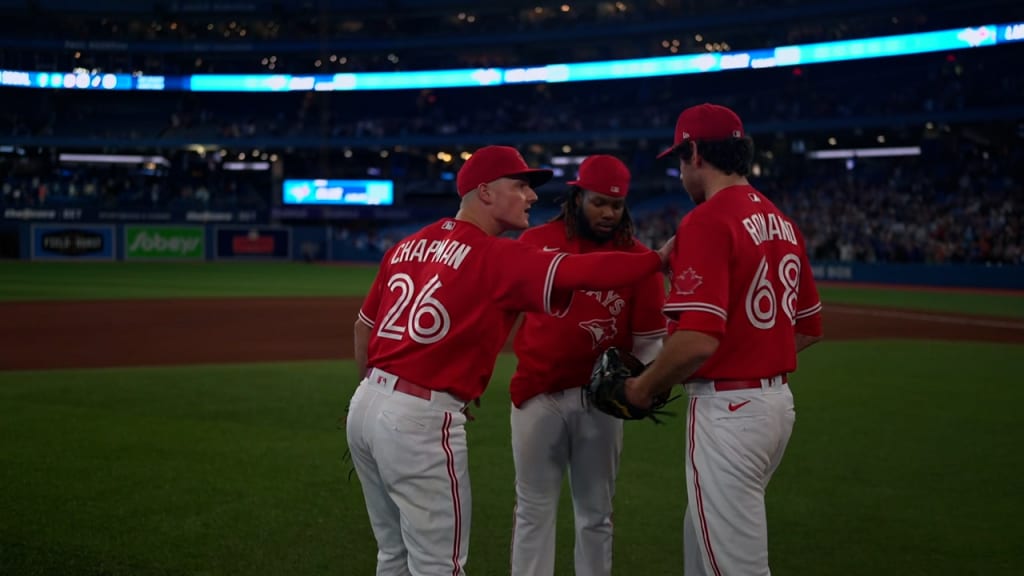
{"points": [[447, 252], [763, 228]]}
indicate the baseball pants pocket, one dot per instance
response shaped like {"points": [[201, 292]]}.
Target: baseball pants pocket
{"points": [[403, 422]]}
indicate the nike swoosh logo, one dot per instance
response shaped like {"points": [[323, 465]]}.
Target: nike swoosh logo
{"points": [[550, 248], [734, 407]]}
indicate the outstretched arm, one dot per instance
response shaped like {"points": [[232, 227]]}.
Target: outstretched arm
{"points": [[604, 270], [681, 356], [607, 270]]}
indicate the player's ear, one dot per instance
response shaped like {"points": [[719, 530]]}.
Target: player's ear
{"points": [[485, 193]]}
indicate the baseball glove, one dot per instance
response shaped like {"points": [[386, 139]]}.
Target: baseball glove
{"points": [[607, 387]]}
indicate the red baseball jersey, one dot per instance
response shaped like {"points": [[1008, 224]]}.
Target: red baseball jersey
{"points": [[556, 353], [741, 274], [445, 299]]}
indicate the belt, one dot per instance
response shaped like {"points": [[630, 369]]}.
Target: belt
{"points": [[413, 389], [406, 387], [730, 385]]}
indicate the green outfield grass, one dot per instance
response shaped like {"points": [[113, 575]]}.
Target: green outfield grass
{"points": [[90, 281], [1007, 305], [904, 461]]}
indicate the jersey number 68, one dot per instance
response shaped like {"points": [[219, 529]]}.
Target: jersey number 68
{"points": [[761, 307]]}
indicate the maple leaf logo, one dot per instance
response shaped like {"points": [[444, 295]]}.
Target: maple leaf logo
{"points": [[687, 281], [600, 331]]}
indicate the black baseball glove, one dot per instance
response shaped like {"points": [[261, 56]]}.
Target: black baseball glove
{"points": [[607, 387]]}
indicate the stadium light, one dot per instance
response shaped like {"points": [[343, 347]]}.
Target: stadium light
{"points": [[715, 59], [112, 159], [890, 152]]}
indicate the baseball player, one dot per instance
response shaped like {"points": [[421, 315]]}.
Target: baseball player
{"points": [[426, 340], [551, 428], [742, 305]]}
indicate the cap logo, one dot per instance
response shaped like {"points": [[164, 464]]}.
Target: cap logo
{"points": [[614, 189], [686, 135], [736, 134]]}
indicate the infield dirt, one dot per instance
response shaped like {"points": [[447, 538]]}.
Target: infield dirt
{"points": [[93, 334]]}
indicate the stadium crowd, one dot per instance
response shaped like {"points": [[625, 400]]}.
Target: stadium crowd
{"points": [[878, 210], [960, 200], [925, 87], [896, 210], [298, 38], [116, 186]]}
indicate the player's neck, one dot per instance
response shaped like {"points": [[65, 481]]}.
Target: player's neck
{"points": [[720, 182], [488, 225]]}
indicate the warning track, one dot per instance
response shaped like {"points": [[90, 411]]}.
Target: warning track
{"points": [[93, 334]]}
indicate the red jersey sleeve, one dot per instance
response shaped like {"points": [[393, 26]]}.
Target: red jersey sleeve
{"points": [[523, 278], [808, 302], [698, 298], [648, 319], [368, 311]]}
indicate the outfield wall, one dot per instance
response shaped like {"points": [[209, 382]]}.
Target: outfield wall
{"points": [[939, 275], [234, 242]]}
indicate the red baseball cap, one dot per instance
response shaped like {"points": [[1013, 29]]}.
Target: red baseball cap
{"points": [[493, 162], [705, 122], [603, 174]]}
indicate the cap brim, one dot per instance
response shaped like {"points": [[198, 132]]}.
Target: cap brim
{"points": [[535, 176], [669, 151]]}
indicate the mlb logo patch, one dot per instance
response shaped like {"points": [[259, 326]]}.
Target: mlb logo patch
{"points": [[615, 189], [449, 225]]}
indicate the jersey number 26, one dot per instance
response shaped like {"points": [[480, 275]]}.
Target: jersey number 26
{"points": [[423, 307], [761, 307]]}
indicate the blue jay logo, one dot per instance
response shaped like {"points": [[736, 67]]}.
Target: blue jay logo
{"points": [[600, 331]]}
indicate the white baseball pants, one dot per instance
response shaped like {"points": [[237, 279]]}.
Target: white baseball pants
{"points": [[735, 441], [413, 464], [550, 433]]}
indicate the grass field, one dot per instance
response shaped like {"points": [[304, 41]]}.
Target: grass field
{"points": [[1005, 305], [904, 459], [90, 281], [898, 465]]}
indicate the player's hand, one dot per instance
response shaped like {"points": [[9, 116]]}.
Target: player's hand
{"points": [[635, 396], [469, 415]]}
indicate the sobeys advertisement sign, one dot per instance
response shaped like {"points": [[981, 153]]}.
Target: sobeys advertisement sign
{"points": [[164, 242]]}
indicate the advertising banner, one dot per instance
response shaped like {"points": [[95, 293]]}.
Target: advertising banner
{"points": [[254, 243], [140, 215], [1006, 277], [164, 242], [72, 242]]}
